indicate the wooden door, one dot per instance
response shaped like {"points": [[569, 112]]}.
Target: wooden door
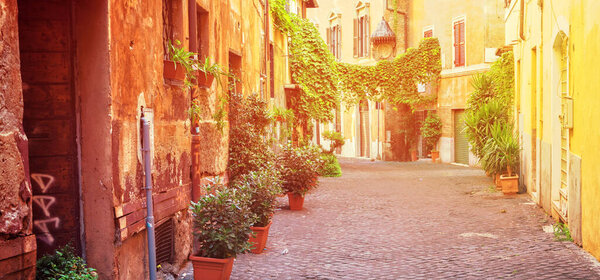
{"points": [[49, 121]]}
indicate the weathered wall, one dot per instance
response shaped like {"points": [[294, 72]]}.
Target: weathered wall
{"points": [[484, 30], [16, 239], [585, 85]]}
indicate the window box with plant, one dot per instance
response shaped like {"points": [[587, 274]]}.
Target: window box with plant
{"points": [[207, 72], [263, 187], [431, 132], [300, 171], [222, 221], [178, 65]]}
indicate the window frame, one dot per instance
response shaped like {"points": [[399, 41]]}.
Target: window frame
{"points": [[455, 21]]}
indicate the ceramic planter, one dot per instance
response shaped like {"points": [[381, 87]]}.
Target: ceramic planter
{"points": [[413, 155], [510, 184], [296, 201], [434, 156], [260, 241], [497, 182], [211, 269], [205, 80], [173, 71]]}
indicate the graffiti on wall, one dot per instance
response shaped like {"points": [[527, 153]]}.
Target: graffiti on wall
{"points": [[44, 202]]}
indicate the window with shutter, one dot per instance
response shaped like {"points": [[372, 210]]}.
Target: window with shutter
{"points": [[459, 43], [328, 34], [367, 33], [339, 42], [428, 33], [355, 47]]}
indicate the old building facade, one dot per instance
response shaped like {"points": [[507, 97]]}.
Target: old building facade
{"points": [[469, 32], [76, 77], [555, 111], [347, 26]]}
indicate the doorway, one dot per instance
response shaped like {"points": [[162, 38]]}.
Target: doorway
{"points": [[49, 120], [461, 144]]}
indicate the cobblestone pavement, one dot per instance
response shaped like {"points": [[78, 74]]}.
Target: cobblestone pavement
{"points": [[389, 220]]}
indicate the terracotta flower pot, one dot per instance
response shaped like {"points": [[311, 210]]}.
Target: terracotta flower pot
{"points": [[211, 269], [510, 184], [173, 71], [413, 155], [497, 182], [434, 156], [205, 80], [260, 241], [296, 201]]}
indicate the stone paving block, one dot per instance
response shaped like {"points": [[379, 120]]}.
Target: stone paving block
{"points": [[388, 220]]}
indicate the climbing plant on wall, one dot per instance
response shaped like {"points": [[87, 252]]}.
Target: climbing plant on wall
{"points": [[321, 78]]}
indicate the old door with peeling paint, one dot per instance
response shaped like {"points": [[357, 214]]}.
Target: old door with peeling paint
{"points": [[49, 120]]}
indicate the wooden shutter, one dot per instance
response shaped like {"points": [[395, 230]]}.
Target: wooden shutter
{"points": [[428, 34], [339, 42], [355, 37], [461, 26], [456, 45], [367, 34], [328, 32]]}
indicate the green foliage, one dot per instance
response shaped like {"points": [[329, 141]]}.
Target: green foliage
{"points": [[335, 138], [195, 111], [395, 81], [222, 221], [64, 265], [561, 232], [488, 117], [501, 150], [179, 55], [431, 131], [330, 166], [263, 187], [299, 168], [321, 78], [248, 149], [479, 124]]}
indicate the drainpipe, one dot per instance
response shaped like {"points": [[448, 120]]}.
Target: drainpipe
{"points": [[149, 207], [521, 20]]}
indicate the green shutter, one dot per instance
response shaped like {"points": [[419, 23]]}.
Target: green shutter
{"points": [[461, 145]]}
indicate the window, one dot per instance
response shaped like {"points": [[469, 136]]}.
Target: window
{"points": [[361, 35], [334, 40], [428, 32], [459, 43], [272, 70], [202, 29]]}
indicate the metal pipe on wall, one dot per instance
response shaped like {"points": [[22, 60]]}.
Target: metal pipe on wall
{"points": [[149, 205]]}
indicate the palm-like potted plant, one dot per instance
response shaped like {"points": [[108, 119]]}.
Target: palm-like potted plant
{"points": [[262, 187], [222, 221], [502, 154], [432, 131], [300, 171], [207, 72]]}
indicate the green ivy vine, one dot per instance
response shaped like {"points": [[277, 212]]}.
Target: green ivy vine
{"points": [[322, 79]]}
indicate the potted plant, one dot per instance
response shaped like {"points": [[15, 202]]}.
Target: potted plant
{"points": [[207, 72], [179, 64], [432, 131], [262, 187], [509, 149], [299, 170], [222, 221], [195, 115], [336, 140]]}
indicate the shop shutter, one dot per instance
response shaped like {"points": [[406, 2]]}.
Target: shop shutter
{"points": [[461, 145]]}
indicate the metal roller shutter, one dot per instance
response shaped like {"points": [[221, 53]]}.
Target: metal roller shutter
{"points": [[461, 145]]}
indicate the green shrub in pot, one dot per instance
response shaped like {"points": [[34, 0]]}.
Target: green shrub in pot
{"points": [[300, 168], [262, 188]]}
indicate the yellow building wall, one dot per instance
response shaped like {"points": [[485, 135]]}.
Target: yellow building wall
{"points": [[585, 86], [484, 29]]}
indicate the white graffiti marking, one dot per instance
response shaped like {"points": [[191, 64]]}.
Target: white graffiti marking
{"points": [[44, 202], [43, 226], [45, 181], [39, 179]]}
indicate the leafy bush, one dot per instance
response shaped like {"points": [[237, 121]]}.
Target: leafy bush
{"points": [[248, 149], [501, 151], [300, 168], [336, 139], [330, 167], [63, 265], [222, 221], [479, 124], [431, 131], [263, 187]]}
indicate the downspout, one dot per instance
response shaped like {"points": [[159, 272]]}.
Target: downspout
{"points": [[266, 50], [145, 124]]}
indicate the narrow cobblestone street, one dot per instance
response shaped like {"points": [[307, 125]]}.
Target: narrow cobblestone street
{"points": [[388, 220]]}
